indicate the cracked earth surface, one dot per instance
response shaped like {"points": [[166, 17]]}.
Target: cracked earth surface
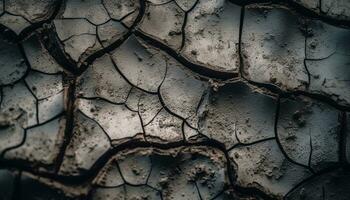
{"points": [[174, 99]]}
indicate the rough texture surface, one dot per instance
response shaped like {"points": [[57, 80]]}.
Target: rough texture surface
{"points": [[174, 99]]}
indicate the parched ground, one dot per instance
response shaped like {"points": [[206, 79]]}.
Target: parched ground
{"points": [[174, 99]]}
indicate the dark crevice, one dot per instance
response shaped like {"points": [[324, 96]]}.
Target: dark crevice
{"points": [[27, 31], [69, 114], [55, 48], [101, 162], [129, 145]]}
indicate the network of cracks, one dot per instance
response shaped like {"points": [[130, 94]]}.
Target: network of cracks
{"points": [[174, 99]]}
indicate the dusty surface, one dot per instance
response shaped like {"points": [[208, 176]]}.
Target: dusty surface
{"points": [[174, 99]]}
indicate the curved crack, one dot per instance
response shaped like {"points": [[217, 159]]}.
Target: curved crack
{"points": [[199, 69], [299, 9], [280, 144], [36, 25]]}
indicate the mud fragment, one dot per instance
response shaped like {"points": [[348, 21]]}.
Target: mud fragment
{"points": [[211, 32], [263, 166], [13, 66], [182, 92], [143, 66], [164, 23], [87, 145], [330, 185], [309, 132], [116, 120], [42, 143], [274, 55], [102, 80], [328, 56], [236, 114], [38, 57]]}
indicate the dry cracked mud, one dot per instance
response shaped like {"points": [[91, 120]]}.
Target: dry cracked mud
{"points": [[174, 99]]}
